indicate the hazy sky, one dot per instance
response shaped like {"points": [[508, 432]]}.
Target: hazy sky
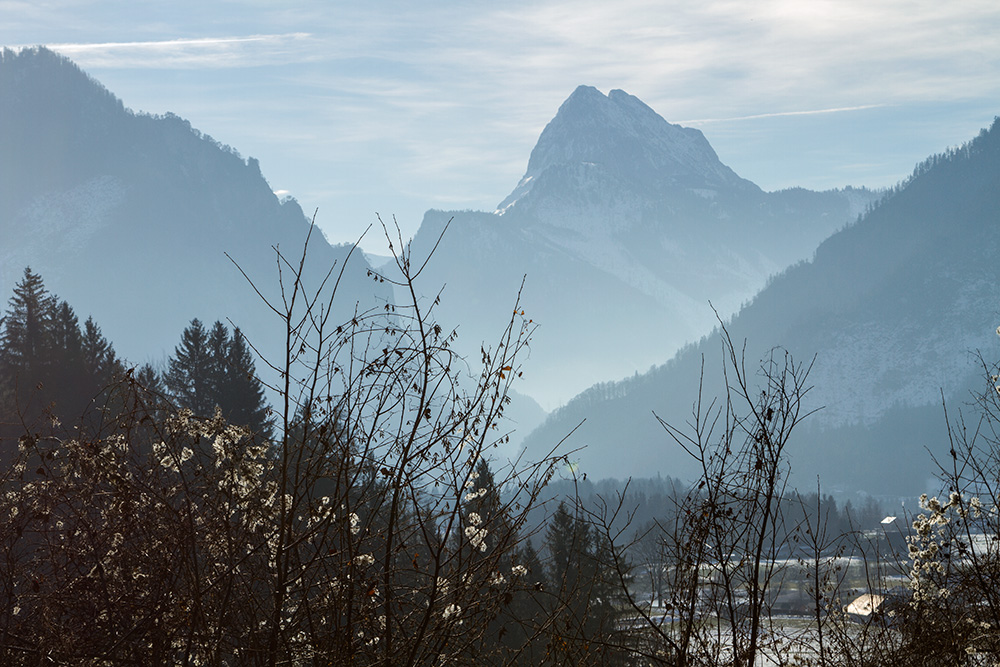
{"points": [[397, 107]]}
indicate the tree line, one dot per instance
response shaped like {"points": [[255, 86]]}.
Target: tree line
{"points": [[365, 523], [52, 367]]}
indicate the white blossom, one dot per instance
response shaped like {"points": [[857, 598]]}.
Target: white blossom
{"points": [[477, 536], [474, 494]]}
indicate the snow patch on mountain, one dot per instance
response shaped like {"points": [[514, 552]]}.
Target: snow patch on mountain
{"points": [[872, 367], [76, 214], [58, 222]]}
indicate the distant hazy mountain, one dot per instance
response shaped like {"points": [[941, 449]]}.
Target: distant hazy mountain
{"points": [[127, 216], [626, 226], [894, 308]]}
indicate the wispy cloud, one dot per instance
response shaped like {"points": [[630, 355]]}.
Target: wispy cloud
{"points": [[444, 99], [212, 52], [776, 114], [735, 59]]}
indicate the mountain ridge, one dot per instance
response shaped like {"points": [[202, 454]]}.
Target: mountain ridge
{"points": [[625, 220], [895, 307], [129, 216], [588, 122]]}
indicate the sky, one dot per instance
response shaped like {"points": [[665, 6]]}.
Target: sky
{"points": [[396, 107]]}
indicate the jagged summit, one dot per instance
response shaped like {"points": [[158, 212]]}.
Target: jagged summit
{"points": [[621, 138], [626, 227]]}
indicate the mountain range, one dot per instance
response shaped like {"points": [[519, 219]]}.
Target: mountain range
{"points": [[898, 312], [624, 228], [626, 231]]}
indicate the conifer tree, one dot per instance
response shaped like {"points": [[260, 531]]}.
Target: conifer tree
{"points": [[484, 502], [527, 614], [515, 634], [25, 350], [566, 539], [47, 364], [217, 364], [212, 369], [150, 396], [26, 340], [487, 546], [585, 591], [66, 336], [99, 358], [188, 376], [69, 379], [529, 559], [150, 379], [244, 391]]}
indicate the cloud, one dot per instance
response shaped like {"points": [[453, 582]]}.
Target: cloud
{"points": [[811, 112], [446, 99], [732, 58], [210, 52]]}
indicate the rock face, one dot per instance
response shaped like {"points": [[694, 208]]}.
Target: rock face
{"points": [[627, 142], [894, 308], [626, 227], [129, 216]]}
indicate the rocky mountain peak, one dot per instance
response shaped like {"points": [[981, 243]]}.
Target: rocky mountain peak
{"points": [[623, 139]]}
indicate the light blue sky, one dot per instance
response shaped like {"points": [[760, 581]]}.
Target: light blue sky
{"points": [[398, 107]]}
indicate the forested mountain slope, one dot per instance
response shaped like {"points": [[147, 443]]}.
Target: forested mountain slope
{"points": [[894, 308], [128, 216]]}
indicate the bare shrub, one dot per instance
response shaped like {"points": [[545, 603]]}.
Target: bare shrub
{"points": [[370, 532]]}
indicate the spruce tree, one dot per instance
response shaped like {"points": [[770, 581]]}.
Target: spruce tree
{"points": [[70, 381], [212, 369], [66, 336], [585, 589], [244, 391], [484, 501], [150, 380], [217, 365], [47, 364], [99, 358], [528, 613], [151, 396], [25, 350], [511, 635], [566, 539], [188, 376], [26, 341]]}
